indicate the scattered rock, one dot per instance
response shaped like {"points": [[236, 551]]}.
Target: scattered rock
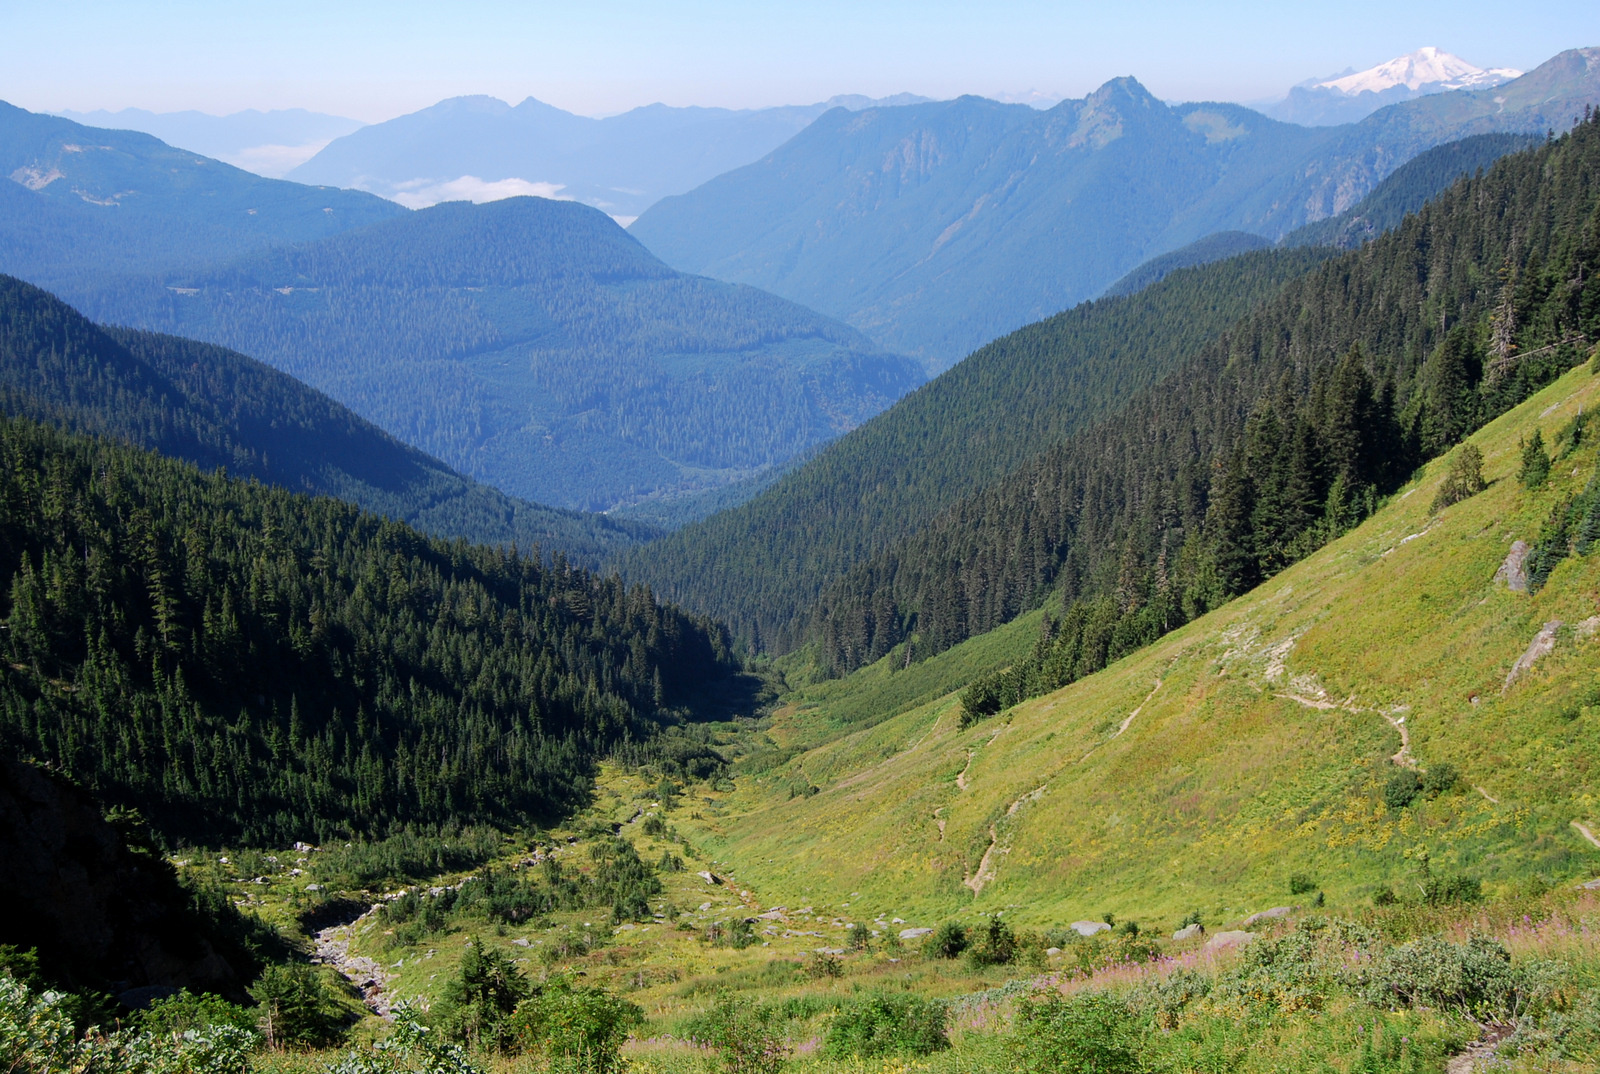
{"points": [[772, 915], [1224, 940], [914, 934], [1189, 932], [1589, 627], [1590, 885], [1541, 646], [1267, 915], [1512, 571], [1052, 951], [1089, 928], [521, 941], [710, 878]]}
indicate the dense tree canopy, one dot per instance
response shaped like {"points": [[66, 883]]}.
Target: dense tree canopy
{"points": [[243, 662]]}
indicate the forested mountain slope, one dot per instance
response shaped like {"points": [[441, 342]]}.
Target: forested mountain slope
{"points": [[536, 346], [936, 227], [1277, 436], [215, 408], [1373, 721], [760, 566], [242, 662], [1406, 190], [84, 204]]}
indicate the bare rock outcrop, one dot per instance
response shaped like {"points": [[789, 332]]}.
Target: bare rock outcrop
{"points": [[1513, 570], [1542, 645]]}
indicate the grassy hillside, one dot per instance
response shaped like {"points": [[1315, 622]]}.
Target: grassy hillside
{"points": [[534, 345], [1254, 744]]}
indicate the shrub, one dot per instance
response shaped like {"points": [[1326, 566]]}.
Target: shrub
{"points": [[881, 1025], [1089, 1033], [1402, 789], [296, 1009], [1451, 890], [1464, 479], [655, 826], [1440, 779], [949, 940], [1301, 883], [822, 966], [748, 1038], [1473, 978], [981, 699], [584, 1026], [1535, 467], [410, 1048], [37, 1036], [996, 944], [186, 1011], [1166, 998]]}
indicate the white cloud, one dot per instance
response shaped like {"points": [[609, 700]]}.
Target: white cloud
{"points": [[421, 193], [274, 161]]}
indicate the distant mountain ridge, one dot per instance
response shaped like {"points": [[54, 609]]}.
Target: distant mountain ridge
{"points": [[535, 345], [86, 202], [936, 227], [266, 143], [480, 147]]}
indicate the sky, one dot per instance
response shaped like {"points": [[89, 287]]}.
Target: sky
{"points": [[372, 61]]}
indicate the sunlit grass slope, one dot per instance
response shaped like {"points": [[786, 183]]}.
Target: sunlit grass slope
{"points": [[1255, 743]]}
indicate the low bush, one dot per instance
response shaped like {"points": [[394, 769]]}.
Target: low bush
{"points": [[581, 1027], [994, 944], [949, 940], [1402, 789], [748, 1037], [186, 1011], [1087, 1033], [1464, 479], [886, 1024]]}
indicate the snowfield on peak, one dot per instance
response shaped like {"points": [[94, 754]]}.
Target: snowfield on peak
{"points": [[1430, 67]]}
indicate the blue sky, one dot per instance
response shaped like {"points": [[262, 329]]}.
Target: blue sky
{"points": [[375, 60]]}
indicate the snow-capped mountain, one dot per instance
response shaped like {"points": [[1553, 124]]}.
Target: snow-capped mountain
{"points": [[1354, 95], [1427, 70]]}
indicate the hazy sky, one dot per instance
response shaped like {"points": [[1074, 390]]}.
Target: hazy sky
{"points": [[372, 60]]}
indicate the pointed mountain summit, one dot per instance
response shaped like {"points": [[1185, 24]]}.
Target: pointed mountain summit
{"points": [[934, 228], [1353, 96]]}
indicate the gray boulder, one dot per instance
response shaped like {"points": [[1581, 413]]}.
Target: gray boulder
{"points": [[1266, 915], [1189, 932], [1223, 940], [1089, 928]]}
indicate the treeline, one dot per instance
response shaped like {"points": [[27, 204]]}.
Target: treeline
{"points": [[1278, 436], [246, 664]]}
